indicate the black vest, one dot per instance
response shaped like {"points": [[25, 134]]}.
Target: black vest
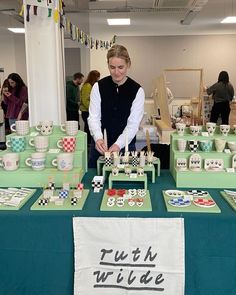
{"points": [[116, 102]]}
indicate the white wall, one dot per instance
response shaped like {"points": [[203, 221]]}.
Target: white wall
{"points": [[150, 55], [12, 54]]}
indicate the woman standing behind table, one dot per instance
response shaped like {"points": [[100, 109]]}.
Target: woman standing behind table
{"points": [[85, 91], [222, 94], [16, 99], [117, 105]]}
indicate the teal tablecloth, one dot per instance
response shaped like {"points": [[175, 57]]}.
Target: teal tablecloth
{"points": [[36, 247]]}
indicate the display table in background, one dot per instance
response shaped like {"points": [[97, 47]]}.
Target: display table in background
{"points": [[36, 247]]}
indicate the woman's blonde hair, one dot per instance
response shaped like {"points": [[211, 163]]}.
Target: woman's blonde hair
{"points": [[119, 51]]}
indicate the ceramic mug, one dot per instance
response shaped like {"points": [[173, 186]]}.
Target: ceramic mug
{"points": [[195, 129], [67, 144], [142, 160], [70, 128], [210, 128], [21, 127], [63, 162], [206, 145], [224, 129], [45, 127], [180, 127], [10, 161], [181, 144], [220, 145], [16, 143], [193, 145], [40, 143], [36, 161]]}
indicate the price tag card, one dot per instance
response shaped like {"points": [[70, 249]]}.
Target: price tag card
{"points": [[205, 133]]}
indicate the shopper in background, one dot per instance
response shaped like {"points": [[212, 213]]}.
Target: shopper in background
{"points": [[117, 105], [73, 97], [3, 107], [222, 93], [93, 77], [16, 99]]}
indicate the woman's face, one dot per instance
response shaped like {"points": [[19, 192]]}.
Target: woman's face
{"points": [[118, 69], [12, 83]]}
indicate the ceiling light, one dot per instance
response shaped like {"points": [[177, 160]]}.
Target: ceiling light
{"points": [[118, 21], [17, 30], [229, 20]]}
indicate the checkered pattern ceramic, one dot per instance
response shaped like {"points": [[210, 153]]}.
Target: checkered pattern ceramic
{"points": [[179, 202], [16, 143], [69, 144], [43, 202], [193, 145], [135, 161], [204, 202], [108, 161], [63, 194]]}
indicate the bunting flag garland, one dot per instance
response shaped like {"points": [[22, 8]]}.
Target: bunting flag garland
{"points": [[56, 10]]}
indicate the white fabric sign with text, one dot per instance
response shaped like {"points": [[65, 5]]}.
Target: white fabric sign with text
{"points": [[129, 256]]}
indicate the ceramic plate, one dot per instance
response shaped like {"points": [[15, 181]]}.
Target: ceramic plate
{"points": [[204, 203], [179, 202], [197, 193], [174, 193]]}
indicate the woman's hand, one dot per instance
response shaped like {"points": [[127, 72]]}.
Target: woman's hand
{"points": [[114, 148], [7, 93], [101, 146]]}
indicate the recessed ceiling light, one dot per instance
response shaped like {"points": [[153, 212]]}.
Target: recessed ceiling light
{"points": [[118, 21], [17, 30], [229, 20]]}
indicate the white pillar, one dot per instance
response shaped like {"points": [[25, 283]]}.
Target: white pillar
{"points": [[45, 64]]}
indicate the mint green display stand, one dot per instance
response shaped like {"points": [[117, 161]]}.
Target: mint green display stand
{"points": [[147, 206], [192, 208], [26, 176], [102, 169], [122, 177], [66, 203], [203, 178]]}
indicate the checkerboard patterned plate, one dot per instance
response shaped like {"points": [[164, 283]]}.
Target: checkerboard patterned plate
{"points": [[174, 193], [200, 202], [179, 202], [197, 193]]}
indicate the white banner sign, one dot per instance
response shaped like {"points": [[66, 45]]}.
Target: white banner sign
{"points": [[129, 256]]}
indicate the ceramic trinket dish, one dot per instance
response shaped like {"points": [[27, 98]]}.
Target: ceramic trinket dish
{"points": [[195, 162], [181, 164]]}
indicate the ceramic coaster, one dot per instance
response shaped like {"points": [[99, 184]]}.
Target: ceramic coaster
{"points": [[179, 202], [204, 203]]}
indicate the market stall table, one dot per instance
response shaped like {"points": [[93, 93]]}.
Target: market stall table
{"points": [[37, 251]]}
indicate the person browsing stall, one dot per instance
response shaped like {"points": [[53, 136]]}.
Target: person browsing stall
{"points": [[117, 105], [73, 97], [222, 93], [93, 76], [15, 99]]}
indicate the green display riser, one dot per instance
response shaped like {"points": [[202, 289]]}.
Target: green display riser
{"points": [[79, 157], [26, 177], [81, 139], [204, 179]]}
